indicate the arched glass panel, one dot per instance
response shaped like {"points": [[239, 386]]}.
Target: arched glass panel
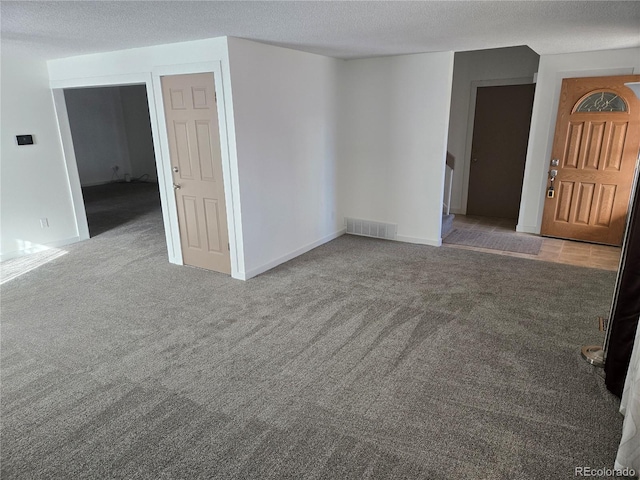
{"points": [[602, 102]]}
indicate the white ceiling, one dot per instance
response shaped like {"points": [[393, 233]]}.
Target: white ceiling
{"points": [[354, 29]]}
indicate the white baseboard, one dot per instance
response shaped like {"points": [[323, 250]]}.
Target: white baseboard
{"points": [[289, 256], [239, 276], [419, 241], [38, 248], [528, 229]]}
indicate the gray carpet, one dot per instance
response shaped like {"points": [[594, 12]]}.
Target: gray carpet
{"points": [[360, 359], [495, 241]]}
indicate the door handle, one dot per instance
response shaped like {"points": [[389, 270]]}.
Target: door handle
{"points": [[474, 160], [176, 186]]}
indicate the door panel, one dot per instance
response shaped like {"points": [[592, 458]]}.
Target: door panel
{"points": [[212, 217], [190, 215], [194, 144], [605, 205], [597, 152], [585, 197], [573, 145], [181, 139], [564, 201], [614, 158], [204, 151], [499, 150], [593, 145]]}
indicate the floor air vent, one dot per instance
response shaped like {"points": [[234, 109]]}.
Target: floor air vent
{"points": [[356, 226]]}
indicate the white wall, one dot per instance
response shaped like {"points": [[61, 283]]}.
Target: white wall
{"points": [[34, 182], [137, 125], [280, 116], [281, 111], [393, 141], [472, 69], [552, 69], [99, 134], [285, 110]]}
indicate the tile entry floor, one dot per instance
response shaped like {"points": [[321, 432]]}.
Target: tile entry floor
{"points": [[553, 249]]}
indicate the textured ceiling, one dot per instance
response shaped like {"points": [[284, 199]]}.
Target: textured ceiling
{"points": [[55, 29]]}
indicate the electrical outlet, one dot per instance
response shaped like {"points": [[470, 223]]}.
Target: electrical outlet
{"points": [[44, 222], [602, 324]]}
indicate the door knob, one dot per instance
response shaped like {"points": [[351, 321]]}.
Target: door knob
{"points": [[176, 186], [474, 160], [175, 169]]}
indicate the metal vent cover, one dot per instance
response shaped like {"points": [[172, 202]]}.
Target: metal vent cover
{"points": [[367, 228]]}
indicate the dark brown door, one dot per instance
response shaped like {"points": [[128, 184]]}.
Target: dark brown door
{"points": [[499, 150], [596, 147]]}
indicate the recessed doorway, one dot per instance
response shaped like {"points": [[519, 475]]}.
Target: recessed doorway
{"points": [[113, 145]]}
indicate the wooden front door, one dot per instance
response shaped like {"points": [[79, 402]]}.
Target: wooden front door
{"points": [[595, 147], [194, 144], [499, 149]]}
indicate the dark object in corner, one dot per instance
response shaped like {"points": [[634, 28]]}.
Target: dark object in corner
{"points": [[626, 309], [24, 139]]}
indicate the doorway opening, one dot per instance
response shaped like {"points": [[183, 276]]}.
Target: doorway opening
{"points": [[476, 74], [113, 144], [498, 151]]}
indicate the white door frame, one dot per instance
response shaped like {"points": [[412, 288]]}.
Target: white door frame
{"points": [[229, 174], [161, 147], [466, 164], [71, 164]]}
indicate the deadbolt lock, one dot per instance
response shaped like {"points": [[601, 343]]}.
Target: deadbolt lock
{"points": [[555, 162], [175, 169], [553, 173]]}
